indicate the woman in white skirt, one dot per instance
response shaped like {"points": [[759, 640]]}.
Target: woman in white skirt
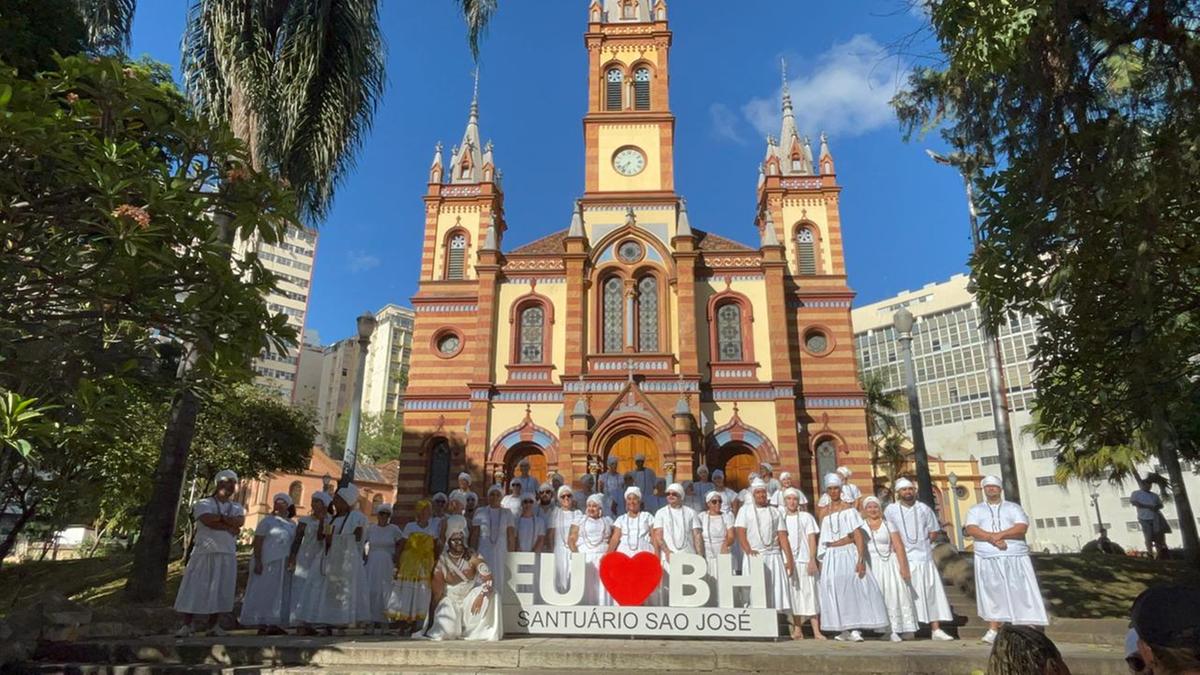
{"points": [[561, 521], [210, 580], [306, 562], [716, 533], [267, 601], [849, 596], [383, 549], [409, 603], [345, 575], [530, 528], [590, 536], [889, 566], [631, 533], [802, 532]]}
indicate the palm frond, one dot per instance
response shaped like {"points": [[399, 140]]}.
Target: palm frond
{"points": [[478, 14], [108, 23]]}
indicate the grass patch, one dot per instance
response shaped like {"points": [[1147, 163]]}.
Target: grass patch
{"points": [[1092, 586]]}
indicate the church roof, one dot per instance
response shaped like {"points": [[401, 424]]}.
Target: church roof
{"points": [[554, 243], [706, 241]]}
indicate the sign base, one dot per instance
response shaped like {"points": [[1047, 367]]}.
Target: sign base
{"points": [[655, 622]]}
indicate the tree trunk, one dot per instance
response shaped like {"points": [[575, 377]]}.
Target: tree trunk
{"points": [[152, 553], [1168, 454], [10, 540]]}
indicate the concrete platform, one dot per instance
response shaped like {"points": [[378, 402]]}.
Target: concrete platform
{"points": [[252, 654]]}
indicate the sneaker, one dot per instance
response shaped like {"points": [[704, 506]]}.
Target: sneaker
{"points": [[184, 631], [896, 638], [843, 636], [217, 631], [940, 634], [989, 637], [856, 636]]}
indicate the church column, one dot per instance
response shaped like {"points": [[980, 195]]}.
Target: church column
{"points": [[686, 255], [575, 265], [682, 436]]}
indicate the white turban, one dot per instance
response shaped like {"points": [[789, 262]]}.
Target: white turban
{"points": [[612, 460], [323, 497], [439, 496], [515, 482], [458, 496], [635, 491], [718, 474], [564, 490], [527, 498], [702, 469], [757, 484], [801, 499], [383, 508], [843, 471], [639, 457], [349, 494], [587, 479], [495, 488], [903, 483], [546, 487], [676, 488], [225, 475], [597, 499], [764, 467], [283, 497], [872, 500], [991, 481], [832, 480], [785, 475], [713, 493], [456, 525], [465, 476]]}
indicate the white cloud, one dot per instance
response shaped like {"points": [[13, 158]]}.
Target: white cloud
{"points": [[361, 261], [845, 93], [724, 123]]}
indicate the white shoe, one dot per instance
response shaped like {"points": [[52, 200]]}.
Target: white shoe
{"points": [[856, 636], [843, 636], [184, 631], [989, 637], [217, 631], [940, 634], [896, 638]]}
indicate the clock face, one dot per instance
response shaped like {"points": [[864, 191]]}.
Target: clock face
{"points": [[629, 161]]}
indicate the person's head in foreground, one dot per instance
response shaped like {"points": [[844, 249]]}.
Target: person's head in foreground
{"points": [[1024, 650], [1167, 622]]}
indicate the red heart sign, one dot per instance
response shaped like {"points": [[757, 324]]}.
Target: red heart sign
{"points": [[630, 580]]}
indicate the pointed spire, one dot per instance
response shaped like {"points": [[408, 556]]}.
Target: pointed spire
{"points": [[825, 159], [467, 159], [683, 227], [435, 169], [576, 222], [787, 92], [769, 237]]}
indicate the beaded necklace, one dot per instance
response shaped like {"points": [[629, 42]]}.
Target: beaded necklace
{"points": [[588, 538], [494, 525], [995, 515], [875, 543], [676, 540], [632, 543], [911, 539], [708, 539], [763, 539]]}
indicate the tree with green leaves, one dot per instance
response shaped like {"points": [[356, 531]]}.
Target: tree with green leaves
{"points": [[890, 449], [1078, 123], [379, 437]]}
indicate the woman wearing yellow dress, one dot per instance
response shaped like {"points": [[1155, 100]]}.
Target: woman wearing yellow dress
{"points": [[411, 594]]}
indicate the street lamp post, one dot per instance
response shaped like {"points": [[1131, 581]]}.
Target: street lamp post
{"points": [[997, 388], [903, 321], [958, 535], [366, 326], [1096, 505]]}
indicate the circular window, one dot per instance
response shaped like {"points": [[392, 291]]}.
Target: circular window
{"points": [[960, 492], [816, 342], [630, 251], [447, 343]]}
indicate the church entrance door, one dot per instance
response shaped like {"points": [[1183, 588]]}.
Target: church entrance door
{"points": [[530, 451], [739, 462], [627, 446]]}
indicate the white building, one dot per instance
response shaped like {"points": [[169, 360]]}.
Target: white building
{"points": [[307, 392], [387, 361], [338, 375], [952, 386]]}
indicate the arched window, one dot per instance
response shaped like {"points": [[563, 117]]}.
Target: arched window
{"points": [[797, 163], [614, 315], [628, 9], [612, 91], [729, 332], [456, 257], [533, 331], [806, 251], [439, 467], [826, 457], [647, 314], [296, 492], [641, 89]]}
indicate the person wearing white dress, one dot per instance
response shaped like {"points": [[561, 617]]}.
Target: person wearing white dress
{"points": [[802, 532], [408, 603], [465, 591], [889, 566], [728, 496], [464, 486], [437, 514], [643, 478], [676, 530], [558, 532], [612, 485], [307, 562], [918, 526], [1006, 589], [849, 595], [785, 482], [493, 535], [345, 574], [384, 542], [267, 602], [531, 529], [760, 529], [702, 485], [632, 532], [767, 473], [210, 579], [716, 531], [529, 484], [850, 493], [590, 535], [512, 500]]}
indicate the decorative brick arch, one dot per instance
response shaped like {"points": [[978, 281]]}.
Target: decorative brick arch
{"points": [[524, 433], [729, 296], [818, 259], [736, 431], [530, 299]]}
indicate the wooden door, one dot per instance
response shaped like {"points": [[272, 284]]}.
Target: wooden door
{"points": [[631, 445], [537, 462], [738, 468]]}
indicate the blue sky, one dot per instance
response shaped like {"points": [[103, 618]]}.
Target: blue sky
{"points": [[903, 217]]}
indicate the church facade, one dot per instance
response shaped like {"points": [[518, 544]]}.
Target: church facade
{"points": [[629, 331]]}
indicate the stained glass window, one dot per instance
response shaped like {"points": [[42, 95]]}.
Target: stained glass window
{"points": [[533, 321], [729, 332], [648, 314], [806, 251], [614, 316]]}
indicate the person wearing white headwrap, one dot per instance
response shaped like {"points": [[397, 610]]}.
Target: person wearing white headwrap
{"points": [[716, 531], [767, 473], [558, 533], [850, 493], [590, 535], [728, 496], [631, 531], [408, 603], [210, 579], [643, 477], [546, 496], [531, 529], [512, 500], [493, 535], [802, 532], [385, 542], [437, 510], [306, 561], [1006, 589], [889, 566], [745, 496], [345, 575], [266, 603], [676, 529], [918, 525], [464, 486], [465, 590], [529, 484], [850, 597], [760, 529], [785, 482], [612, 486], [702, 484]]}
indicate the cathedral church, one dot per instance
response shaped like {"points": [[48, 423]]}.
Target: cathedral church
{"points": [[630, 332]]}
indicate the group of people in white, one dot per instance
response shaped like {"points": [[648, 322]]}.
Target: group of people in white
{"points": [[853, 564]]}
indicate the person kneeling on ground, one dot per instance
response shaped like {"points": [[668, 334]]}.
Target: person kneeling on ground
{"points": [[466, 598]]}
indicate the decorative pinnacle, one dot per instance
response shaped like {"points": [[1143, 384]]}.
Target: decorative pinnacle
{"points": [[630, 217], [787, 93], [475, 94]]}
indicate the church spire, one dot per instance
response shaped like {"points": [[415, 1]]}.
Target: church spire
{"points": [[792, 157], [467, 162]]}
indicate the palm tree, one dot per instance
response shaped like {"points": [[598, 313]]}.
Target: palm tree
{"points": [[890, 449]]}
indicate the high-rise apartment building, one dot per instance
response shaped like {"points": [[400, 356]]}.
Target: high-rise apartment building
{"points": [[952, 386], [387, 361]]}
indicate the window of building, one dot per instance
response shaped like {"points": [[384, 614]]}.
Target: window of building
{"points": [[987, 461], [1075, 522], [1044, 481], [628, 10], [806, 251], [456, 256], [729, 332], [533, 325], [1040, 522], [641, 89], [612, 91], [648, 314], [1049, 523], [1061, 521], [614, 315]]}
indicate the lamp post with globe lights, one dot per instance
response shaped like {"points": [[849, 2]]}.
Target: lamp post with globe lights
{"points": [[366, 327], [903, 322]]}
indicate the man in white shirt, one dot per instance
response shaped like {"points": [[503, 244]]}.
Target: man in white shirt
{"points": [[1149, 514], [529, 484], [850, 493], [643, 478], [762, 533], [768, 475], [703, 485], [676, 529], [728, 496], [918, 525], [1006, 589]]}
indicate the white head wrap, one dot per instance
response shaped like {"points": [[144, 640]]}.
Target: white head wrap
{"points": [[323, 497], [465, 476], [843, 471], [635, 491], [718, 474], [702, 469], [597, 499], [458, 496], [764, 467], [439, 496], [872, 500], [495, 488], [546, 487], [785, 475], [639, 457], [225, 475], [676, 488], [283, 497], [527, 498], [832, 480], [349, 494], [713, 493], [383, 508], [587, 479], [456, 525], [757, 484], [801, 499], [516, 482], [991, 481], [564, 490], [903, 483]]}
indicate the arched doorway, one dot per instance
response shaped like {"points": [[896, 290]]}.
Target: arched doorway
{"points": [[738, 462], [826, 458], [629, 445], [530, 451], [438, 478]]}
